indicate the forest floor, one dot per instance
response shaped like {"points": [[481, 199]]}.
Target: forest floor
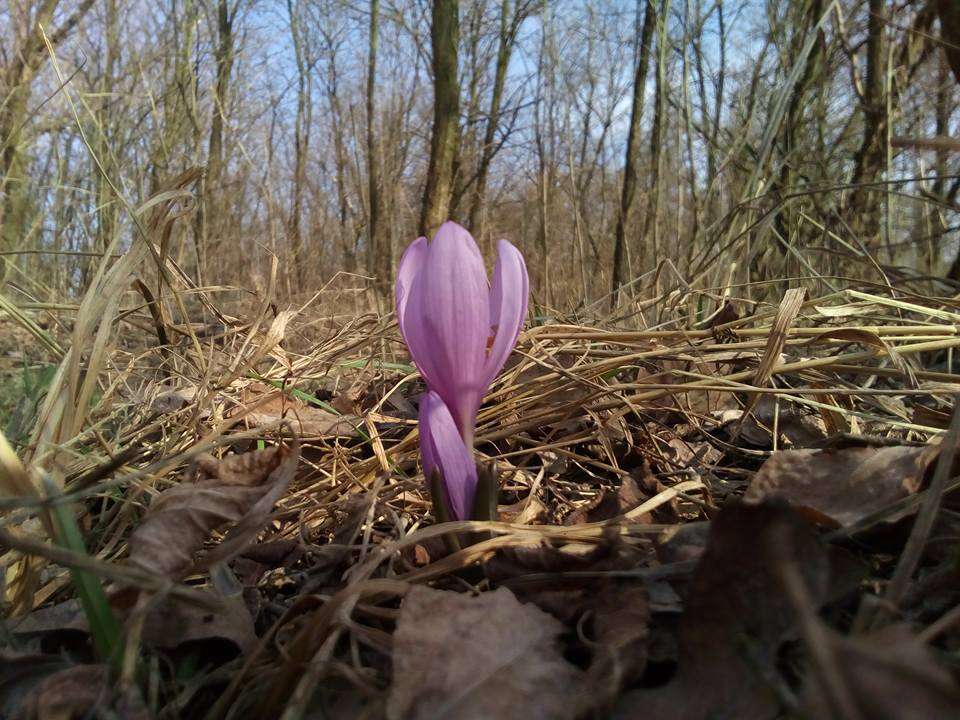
{"points": [[750, 514]]}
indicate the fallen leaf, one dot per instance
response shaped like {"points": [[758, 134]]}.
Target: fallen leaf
{"points": [[528, 511], [888, 675], [795, 427], [20, 673], [536, 572], [243, 468], [844, 485], [682, 454], [610, 505], [211, 620], [931, 417], [81, 691], [171, 622], [680, 543], [465, 657], [736, 618], [180, 519], [269, 407], [620, 616], [170, 400]]}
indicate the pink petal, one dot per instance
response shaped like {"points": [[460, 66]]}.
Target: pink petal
{"points": [[508, 305], [442, 448], [407, 272], [446, 322]]}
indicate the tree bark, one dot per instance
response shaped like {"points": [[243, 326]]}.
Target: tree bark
{"points": [[652, 224], [870, 157], [446, 102], [505, 43], [380, 260], [629, 188], [949, 12], [223, 58], [27, 56], [301, 143]]}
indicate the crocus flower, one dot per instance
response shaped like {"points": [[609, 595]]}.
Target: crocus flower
{"points": [[459, 328], [443, 450]]}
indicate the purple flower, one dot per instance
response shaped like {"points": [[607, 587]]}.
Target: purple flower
{"points": [[459, 328], [443, 449]]}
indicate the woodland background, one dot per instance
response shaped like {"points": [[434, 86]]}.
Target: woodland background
{"points": [[717, 141]]}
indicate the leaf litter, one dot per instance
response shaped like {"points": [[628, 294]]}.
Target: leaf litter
{"points": [[694, 522]]}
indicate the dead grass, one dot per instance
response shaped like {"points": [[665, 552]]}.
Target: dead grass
{"points": [[684, 408]]}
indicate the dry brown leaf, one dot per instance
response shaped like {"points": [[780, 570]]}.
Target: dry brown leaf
{"points": [[535, 572], [528, 511], [931, 417], [682, 542], [620, 618], [309, 422], [889, 675], [81, 691], [182, 518], [269, 407], [171, 622], [170, 400], [794, 427], [472, 658], [690, 453], [737, 616], [609, 505], [211, 620], [844, 485], [20, 673], [249, 468]]}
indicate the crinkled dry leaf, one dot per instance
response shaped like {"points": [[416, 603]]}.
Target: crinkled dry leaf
{"points": [[620, 616], [736, 618], [249, 468], [889, 675], [610, 505], [536, 572], [20, 673], [171, 622], [81, 691], [690, 453], [844, 485], [170, 400], [681, 543], [211, 620], [307, 421], [528, 511], [794, 427], [181, 519], [471, 658]]}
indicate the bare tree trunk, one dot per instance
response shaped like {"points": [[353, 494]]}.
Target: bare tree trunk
{"points": [[446, 103], [380, 260], [223, 57], [936, 224], [629, 188], [652, 225], [344, 212], [25, 57], [544, 139], [505, 42], [949, 12], [870, 158], [301, 141], [106, 209], [810, 12]]}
